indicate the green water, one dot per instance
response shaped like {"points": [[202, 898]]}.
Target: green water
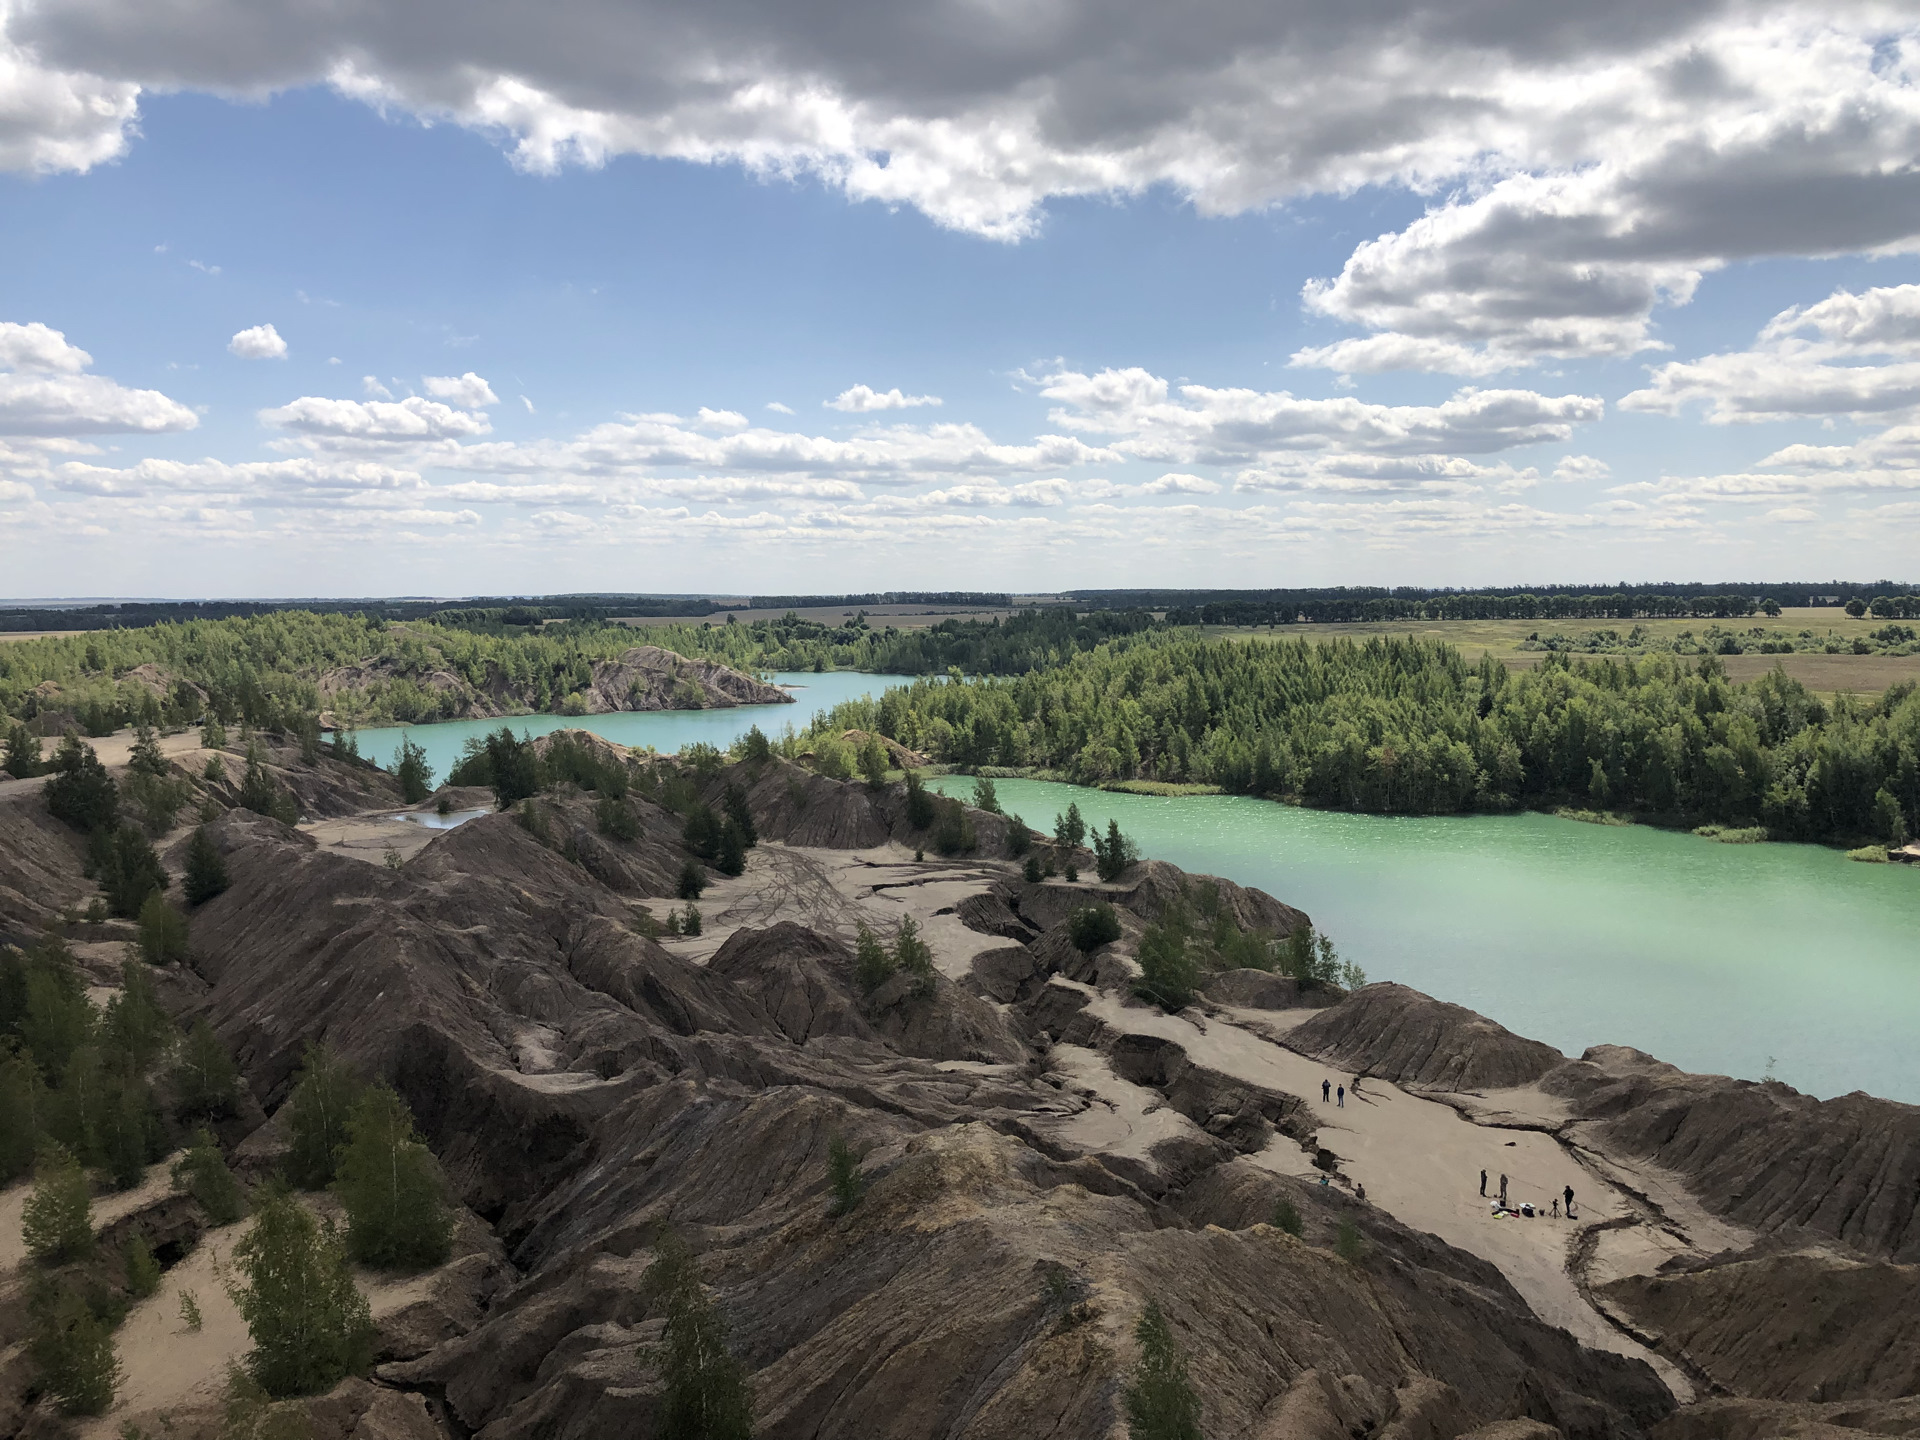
{"points": [[1720, 958], [665, 730], [1717, 958]]}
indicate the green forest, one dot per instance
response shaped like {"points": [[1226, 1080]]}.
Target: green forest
{"points": [[269, 670], [1391, 725], [1405, 726]]}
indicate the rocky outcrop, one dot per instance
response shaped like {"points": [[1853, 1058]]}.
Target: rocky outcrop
{"points": [[40, 868], [650, 678], [1760, 1152], [1264, 990], [1398, 1034], [1797, 1326]]}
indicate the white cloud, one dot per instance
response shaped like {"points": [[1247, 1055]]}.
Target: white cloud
{"points": [[262, 342], [35, 347], [1232, 426], [371, 387], [1572, 469], [405, 421], [862, 399], [55, 120], [44, 391], [778, 408], [467, 391], [1175, 483]]}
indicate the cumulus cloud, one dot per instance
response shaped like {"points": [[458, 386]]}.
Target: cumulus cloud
{"points": [[467, 391], [862, 399], [1806, 361], [408, 421], [1175, 483], [45, 392], [262, 342], [1232, 426]]}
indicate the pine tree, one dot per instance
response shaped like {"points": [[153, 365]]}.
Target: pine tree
{"points": [[22, 759], [213, 735], [1113, 854], [205, 1083], [843, 1176], [730, 856], [206, 868], [707, 1395], [81, 793], [873, 762], [317, 1111], [692, 880], [134, 1030], [1069, 830], [56, 1018], [128, 869], [397, 1215], [741, 814], [202, 1172], [311, 1327], [146, 758], [73, 1350], [57, 1223], [1160, 1401]]}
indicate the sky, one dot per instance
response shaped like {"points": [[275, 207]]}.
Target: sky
{"points": [[752, 297]]}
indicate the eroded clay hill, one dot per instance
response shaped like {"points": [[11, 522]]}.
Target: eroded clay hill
{"points": [[1042, 1153]]}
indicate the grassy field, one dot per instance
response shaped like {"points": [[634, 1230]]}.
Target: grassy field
{"points": [[1856, 674], [879, 617]]}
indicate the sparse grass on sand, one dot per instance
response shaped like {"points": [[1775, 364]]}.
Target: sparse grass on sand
{"points": [[1732, 835], [1871, 854], [1593, 817], [1161, 787]]}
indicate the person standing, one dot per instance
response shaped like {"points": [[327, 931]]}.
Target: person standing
{"points": [[1342, 1093], [1568, 1192], [1326, 1091], [1503, 1192], [1483, 1184]]}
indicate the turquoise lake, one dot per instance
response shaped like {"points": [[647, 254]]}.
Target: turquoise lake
{"points": [[1737, 959]]}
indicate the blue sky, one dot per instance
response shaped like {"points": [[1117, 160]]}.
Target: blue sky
{"points": [[1169, 347]]}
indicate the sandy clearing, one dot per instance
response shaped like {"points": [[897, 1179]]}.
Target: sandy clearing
{"points": [[167, 1367], [370, 837], [1419, 1160], [106, 1208]]}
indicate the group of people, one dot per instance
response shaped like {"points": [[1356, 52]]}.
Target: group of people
{"points": [[1328, 1090], [1526, 1209]]}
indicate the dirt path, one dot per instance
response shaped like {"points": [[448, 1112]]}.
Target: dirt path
{"points": [[1420, 1161]]}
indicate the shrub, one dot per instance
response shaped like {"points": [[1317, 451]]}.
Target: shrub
{"points": [[1072, 873], [1169, 968], [134, 1030], [22, 760], [213, 735], [873, 761], [163, 932], [705, 1391], [920, 808], [206, 868], [397, 1214], [872, 965], [692, 880], [912, 956], [73, 1349], [1031, 872], [22, 1102], [249, 1413], [260, 793], [730, 854], [214, 772], [1160, 1401], [311, 1327], [143, 1271], [754, 747], [690, 923], [1347, 1243], [156, 799], [57, 1223], [615, 820], [50, 1009], [1019, 838], [984, 796], [190, 1310], [1286, 1216], [843, 1176], [740, 814], [202, 1172], [205, 1083], [1093, 926], [410, 768]]}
